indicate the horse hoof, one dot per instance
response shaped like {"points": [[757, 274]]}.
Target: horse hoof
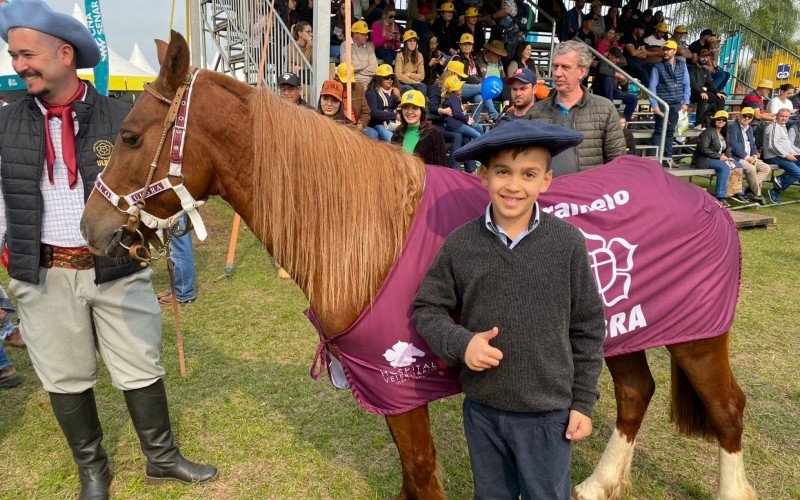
{"points": [[592, 489]]}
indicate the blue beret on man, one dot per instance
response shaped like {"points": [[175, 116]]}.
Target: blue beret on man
{"points": [[37, 15], [519, 133]]}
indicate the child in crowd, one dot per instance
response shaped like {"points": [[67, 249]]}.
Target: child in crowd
{"points": [[531, 324], [458, 121]]}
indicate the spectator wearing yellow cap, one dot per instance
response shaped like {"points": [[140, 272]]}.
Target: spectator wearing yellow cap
{"points": [[459, 121], [713, 151], [669, 80], [742, 142], [659, 36], [362, 51], [359, 109], [473, 28], [446, 28], [573, 20], [383, 96], [416, 134], [409, 65], [475, 73], [678, 34], [755, 100], [386, 36], [438, 112]]}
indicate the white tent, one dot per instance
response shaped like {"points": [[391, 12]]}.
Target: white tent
{"points": [[117, 65], [137, 59], [123, 75]]}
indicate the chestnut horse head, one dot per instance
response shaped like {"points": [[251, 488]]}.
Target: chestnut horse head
{"points": [[146, 142]]}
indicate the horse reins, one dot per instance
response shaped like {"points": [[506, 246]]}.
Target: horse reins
{"points": [[176, 119]]}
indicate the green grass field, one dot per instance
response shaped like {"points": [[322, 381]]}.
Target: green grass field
{"points": [[249, 406]]}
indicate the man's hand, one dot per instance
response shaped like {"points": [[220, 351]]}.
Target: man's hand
{"points": [[579, 427], [724, 157], [722, 96], [658, 112], [703, 95], [480, 355], [791, 157], [685, 108]]}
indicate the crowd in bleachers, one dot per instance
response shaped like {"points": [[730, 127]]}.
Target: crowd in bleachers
{"points": [[444, 51]]}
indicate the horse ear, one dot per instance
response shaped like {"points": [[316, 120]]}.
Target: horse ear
{"points": [[174, 61], [161, 50]]}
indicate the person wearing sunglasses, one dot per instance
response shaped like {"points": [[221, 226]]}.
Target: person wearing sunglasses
{"points": [[713, 151], [386, 36], [743, 148]]}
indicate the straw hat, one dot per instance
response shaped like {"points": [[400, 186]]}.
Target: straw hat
{"points": [[766, 84]]}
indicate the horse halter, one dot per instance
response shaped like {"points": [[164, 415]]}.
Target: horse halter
{"points": [[177, 118]]}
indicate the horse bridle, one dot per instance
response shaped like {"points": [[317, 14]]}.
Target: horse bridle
{"points": [[176, 119]]}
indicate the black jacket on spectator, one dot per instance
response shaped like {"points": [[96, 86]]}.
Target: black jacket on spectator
{"points": [[380, 112], [700, 81], [699, 78], [430, 148], [447, 34], [22, 150], [707, 149]]}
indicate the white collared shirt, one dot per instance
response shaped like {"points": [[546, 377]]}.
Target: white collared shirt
{"points": [[500, 233], [62, 206]]}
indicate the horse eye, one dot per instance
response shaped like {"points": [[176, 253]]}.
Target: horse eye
{"points": [[130, 139]]}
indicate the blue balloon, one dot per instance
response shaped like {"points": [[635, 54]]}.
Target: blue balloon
{"points": [[491, 87]]}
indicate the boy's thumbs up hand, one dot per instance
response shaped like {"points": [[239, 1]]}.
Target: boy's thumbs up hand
{"points": [[480, 355]]}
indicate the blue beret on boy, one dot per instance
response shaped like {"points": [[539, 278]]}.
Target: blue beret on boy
{"points": [[519, 133], [37, 15]]}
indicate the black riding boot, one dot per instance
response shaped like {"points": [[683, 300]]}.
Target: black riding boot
{"points": [[77, 416], [148, 409]]}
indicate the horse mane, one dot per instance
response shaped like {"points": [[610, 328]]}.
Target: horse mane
{"points": [[335, 206]]}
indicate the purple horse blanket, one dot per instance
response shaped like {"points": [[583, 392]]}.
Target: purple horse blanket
{"points": [[665, 255]]}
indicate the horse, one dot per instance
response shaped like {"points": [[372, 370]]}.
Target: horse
{"points": [[334, 208]]}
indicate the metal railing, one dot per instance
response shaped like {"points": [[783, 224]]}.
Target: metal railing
{"points": [[237, 29], [753, 57], [662, 105]]}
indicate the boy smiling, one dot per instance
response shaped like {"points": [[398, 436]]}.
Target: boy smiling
{"points": [[531, 322]]}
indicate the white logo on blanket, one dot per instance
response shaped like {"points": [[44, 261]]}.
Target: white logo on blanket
{"points": [[612, 263], [402, 354]]}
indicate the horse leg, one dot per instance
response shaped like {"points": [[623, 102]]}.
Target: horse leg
{"points": [[411, 432], [708, 402], [633, 388]]}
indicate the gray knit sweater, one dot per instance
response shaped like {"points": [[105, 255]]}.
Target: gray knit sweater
{"points": [[542, 297]]}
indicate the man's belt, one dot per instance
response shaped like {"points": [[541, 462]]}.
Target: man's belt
{"points": [[79, 258]]}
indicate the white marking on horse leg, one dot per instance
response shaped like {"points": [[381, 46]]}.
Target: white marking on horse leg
{"points": [[611, 477], [733, 484]]}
